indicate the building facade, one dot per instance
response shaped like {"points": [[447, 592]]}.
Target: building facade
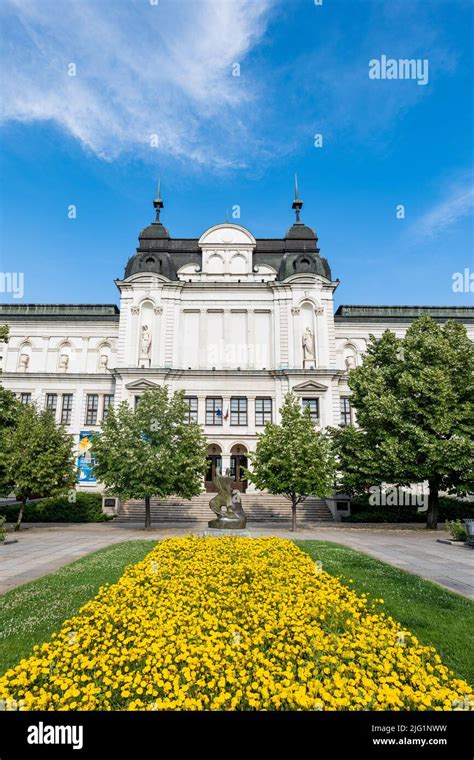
{"points": [[233, 321]]}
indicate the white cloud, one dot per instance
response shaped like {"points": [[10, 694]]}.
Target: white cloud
{"points": [[142, 69], [457, 204]]}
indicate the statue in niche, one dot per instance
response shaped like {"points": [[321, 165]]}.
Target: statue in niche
{"points": [[104, 361], [145, 342], [24, 361], [308, 347], [350, 362], [227, 505], [63, 362]]}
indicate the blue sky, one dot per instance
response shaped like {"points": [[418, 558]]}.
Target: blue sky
{"points": [[225, 140]]}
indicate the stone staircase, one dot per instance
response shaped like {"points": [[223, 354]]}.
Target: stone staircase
{"points": [[259, 507]]}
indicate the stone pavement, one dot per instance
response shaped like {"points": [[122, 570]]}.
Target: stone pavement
{"points": [[42, 548]]}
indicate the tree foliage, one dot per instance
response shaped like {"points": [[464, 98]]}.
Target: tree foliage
{"points": [[414, 399], [37, 456], [293, 459], [4, 333], [10, 408], [151, 451]]}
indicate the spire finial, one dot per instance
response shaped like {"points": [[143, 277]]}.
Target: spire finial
{"points": [[158, 203], [227, 216], [297, 204]]}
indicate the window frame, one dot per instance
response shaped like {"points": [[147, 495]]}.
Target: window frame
{"points": [[193, 409], [24, 400], [240, 413], [345, 411], [106, 406], [307, 401], [92, 412], [66, 409], [263, 412], [53, 408], [211, 415]]}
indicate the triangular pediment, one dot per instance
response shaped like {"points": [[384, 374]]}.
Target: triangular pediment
{"points": [[142, 385], [309, 386]]}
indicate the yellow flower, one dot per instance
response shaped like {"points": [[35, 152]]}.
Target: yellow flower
{"points": [[231, 624]]}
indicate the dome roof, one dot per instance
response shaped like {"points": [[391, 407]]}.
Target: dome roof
{"points": [[154, 231], [296, 253], [159, 262], [302, 263], [300, 231]]}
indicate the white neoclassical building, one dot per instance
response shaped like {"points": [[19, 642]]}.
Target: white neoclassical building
{"points": [[234, 321]]}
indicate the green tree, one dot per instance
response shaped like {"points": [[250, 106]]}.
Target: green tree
{"points": [[37, 456], [293, 459], [4, 335], [151, 451], [10, 408], [414, 399]]}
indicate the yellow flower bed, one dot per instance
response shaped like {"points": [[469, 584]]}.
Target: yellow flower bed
{"points": [[231, 624]]}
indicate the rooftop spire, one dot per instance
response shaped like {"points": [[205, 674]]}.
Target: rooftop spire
{"points": [[158, 203], [297, 204]]}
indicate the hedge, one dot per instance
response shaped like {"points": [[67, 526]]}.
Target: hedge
{"points": [[449, 509], [86, 508]]}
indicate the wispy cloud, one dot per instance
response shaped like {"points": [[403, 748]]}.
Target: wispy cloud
{"points": [[142, 70], [166, 70], [457, 204]]}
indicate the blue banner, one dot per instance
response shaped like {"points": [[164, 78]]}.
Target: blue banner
{"points": [[85, 460]]}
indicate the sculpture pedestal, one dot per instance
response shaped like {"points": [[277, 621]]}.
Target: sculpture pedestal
{"points": [[219, 532]]}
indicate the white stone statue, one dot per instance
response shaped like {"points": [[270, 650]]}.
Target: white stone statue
{"points": [[63, 362], [24, 361], [308, 347], [350, 361], [145, 342], [104, 361]]}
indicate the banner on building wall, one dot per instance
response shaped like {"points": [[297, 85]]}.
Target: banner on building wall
{"points": [[85, 460]]}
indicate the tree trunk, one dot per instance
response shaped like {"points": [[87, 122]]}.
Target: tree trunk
{"points": [[147, 513], [20, 515], [433, 496], [293, 513]]}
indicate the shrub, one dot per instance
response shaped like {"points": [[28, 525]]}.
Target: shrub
{"points": [[86, 508], [449, 509], [3, 532], [457, 530]]}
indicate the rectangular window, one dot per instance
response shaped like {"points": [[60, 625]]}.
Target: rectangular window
{"points": [[263, 411], [25, 398], [92, 407], [137, 401], [345, 411], [66, 409], [313, 405], [214, 411], [238, 411], [52, 401], [108, 402], [192, 412]]}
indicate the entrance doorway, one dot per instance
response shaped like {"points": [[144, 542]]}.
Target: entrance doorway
{"points": [[238, 461], [214, 466]]}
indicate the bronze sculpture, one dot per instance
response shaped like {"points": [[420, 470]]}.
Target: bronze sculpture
{"points": [[227, 505]]}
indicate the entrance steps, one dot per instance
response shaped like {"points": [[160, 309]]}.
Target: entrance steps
{"points": [[259, 507]]}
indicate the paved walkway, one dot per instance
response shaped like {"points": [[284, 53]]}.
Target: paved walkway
{"points": [[40, 549]]}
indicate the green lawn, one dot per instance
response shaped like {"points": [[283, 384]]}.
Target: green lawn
{"points": [[30, 613]]}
